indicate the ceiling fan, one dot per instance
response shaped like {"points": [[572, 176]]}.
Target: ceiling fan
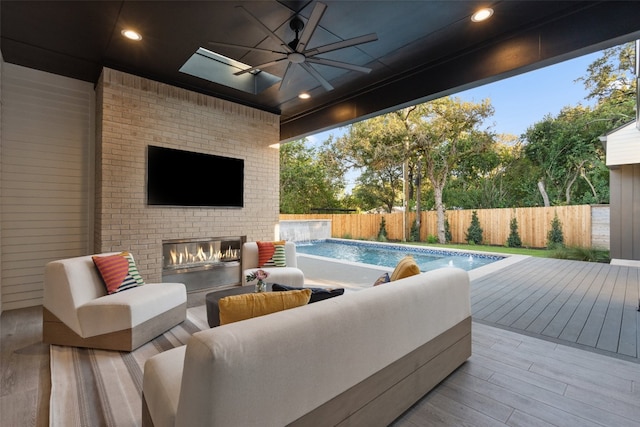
{"points": [[296, 52]]}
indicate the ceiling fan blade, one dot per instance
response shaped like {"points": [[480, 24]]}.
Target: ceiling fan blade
{"points": [[237, 46], [287, 76], [259, 67], [339, 64], [312, 24], [273, 36], [316, 75], [341, 44]]}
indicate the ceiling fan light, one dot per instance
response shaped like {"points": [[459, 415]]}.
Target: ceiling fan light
{"points": [[131, 34], [304, 95], [296, 57], [482, 15]]}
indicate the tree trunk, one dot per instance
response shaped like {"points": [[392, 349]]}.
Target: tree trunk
{"points": [[593, 189], [437, 192], [418, 189], [405, 176], [545, 196], [579, 170]]}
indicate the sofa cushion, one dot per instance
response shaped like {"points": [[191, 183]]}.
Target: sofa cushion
{"points": [[267, 251], [405, 268], [317, 294], [118, 272], [245, 306]]}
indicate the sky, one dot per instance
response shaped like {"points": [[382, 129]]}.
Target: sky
{"points": [[523, 100]]}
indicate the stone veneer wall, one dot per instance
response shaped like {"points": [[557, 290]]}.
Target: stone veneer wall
{"points": [[132, 113]]}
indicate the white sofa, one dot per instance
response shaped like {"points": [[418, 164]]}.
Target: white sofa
{"points": [[359, 359], [290, 275], [78, 312]]}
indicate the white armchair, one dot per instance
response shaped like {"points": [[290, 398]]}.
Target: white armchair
{"points": [[78, 312], [290, 275]]}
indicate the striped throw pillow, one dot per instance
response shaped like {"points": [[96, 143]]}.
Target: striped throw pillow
{"points": [[266, 252], [118, 272]]}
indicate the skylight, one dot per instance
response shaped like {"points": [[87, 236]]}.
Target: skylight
{"points": [[217, 68]]}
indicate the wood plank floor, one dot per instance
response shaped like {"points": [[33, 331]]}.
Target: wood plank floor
{"points": [[593, 306], [512, 379]]}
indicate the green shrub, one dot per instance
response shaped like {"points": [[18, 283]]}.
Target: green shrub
{"points": [[447, 231], [514, 241], [555, 237], [474, 232], [432, 239], [581, 254], [414, 235], [382, 232]]}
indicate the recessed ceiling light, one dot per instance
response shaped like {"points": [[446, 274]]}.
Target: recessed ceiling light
{"points": [[482, 14], [304, 95], [131, 35]]}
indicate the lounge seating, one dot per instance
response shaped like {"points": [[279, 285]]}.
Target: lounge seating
{"points": [[78, 312], [341, 361], [290, 275]]}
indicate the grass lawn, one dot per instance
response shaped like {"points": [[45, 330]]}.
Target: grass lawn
{"points": [[542, 253], [574, 253]]}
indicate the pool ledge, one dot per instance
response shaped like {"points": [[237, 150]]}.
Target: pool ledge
{"points": [[324, 271], [479, 272]]}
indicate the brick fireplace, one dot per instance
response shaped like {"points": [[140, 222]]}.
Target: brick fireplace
{"points": [[132, 113]]}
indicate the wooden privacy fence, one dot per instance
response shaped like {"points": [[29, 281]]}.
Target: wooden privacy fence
{"points": [[533, 224]]}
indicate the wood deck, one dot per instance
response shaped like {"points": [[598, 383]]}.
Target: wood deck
{"points": [[520, 372], [593, 306]]}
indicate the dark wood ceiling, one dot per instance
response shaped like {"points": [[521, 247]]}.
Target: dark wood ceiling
{"points": [[425, 49]]}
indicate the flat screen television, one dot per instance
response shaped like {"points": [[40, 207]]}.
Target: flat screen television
{"points": [[186, 178]]}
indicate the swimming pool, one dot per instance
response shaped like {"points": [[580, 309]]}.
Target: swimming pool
{"points": [[388, 255]]}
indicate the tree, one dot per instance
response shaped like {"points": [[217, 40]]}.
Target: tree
{"points": [[555, 236], [514, 241], [611, 77], [307, 179], [374, 146], [474, 232], [442, 132], [566, 150]]}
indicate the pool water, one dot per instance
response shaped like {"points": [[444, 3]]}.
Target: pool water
{"points": [[389, 255]]}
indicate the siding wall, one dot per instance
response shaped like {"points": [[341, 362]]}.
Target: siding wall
{"points": [[47, 134], [623, 146], [625, 212]]}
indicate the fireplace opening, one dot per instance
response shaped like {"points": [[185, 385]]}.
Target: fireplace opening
{"points": [[202, 263]]}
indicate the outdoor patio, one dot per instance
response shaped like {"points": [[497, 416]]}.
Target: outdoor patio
{"points": [[555, 343]]}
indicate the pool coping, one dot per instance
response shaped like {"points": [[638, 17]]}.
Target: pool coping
{"points": [[360, 275]]}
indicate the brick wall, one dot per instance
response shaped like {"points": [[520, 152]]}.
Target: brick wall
{"points": [[132, 113]]}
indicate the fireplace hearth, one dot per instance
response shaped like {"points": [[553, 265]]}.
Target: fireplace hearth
{"points": [[203, 263]]}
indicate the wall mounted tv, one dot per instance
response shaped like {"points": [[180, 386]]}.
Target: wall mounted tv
{"points": [[186, 178]]}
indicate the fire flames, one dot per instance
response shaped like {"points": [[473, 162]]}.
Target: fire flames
{"points": [[192, 254]]}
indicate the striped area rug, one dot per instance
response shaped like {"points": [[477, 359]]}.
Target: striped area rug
{"points": [[103, 388]]}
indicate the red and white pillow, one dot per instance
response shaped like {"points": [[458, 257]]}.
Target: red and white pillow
{"points": [[271, 254], [118, 272]]}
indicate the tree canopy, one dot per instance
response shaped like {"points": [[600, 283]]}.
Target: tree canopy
{"points": [[440, 155]]}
